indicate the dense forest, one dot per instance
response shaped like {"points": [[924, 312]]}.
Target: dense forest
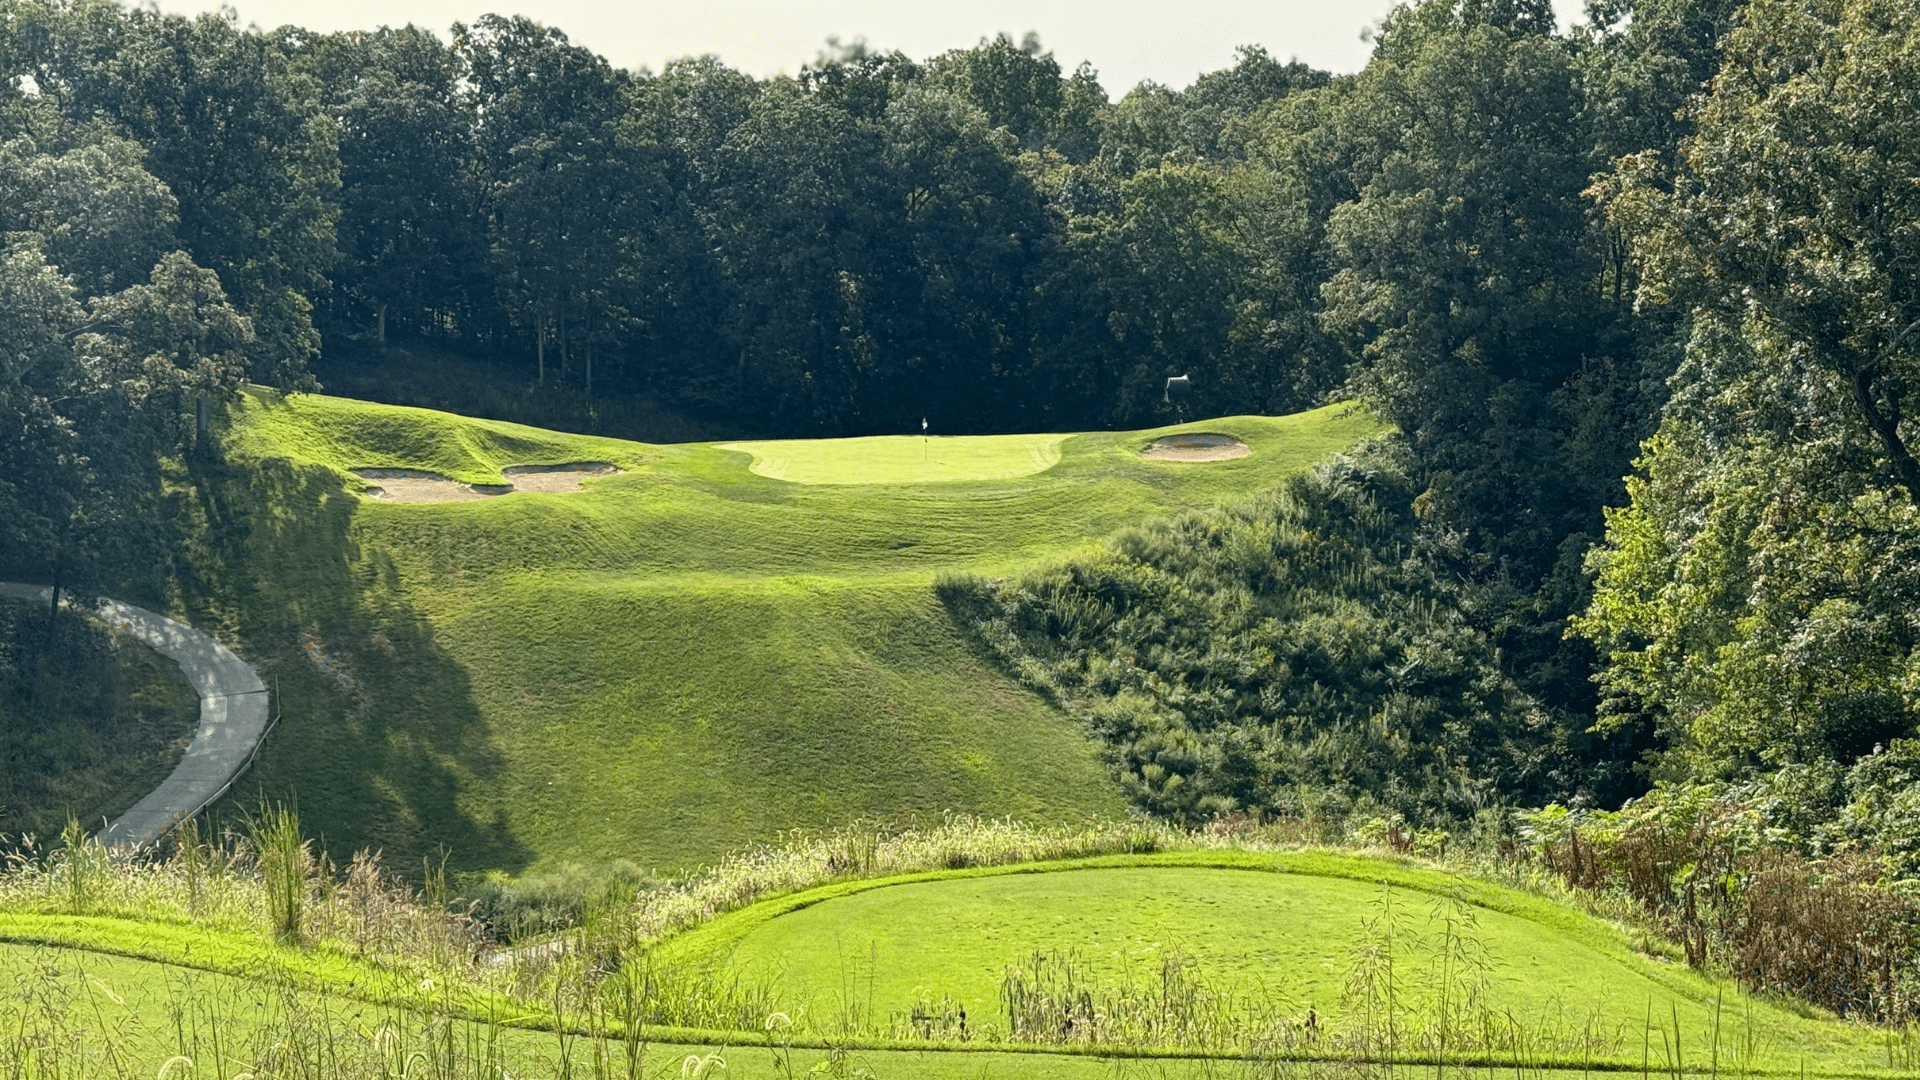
{"points": [[1641, 297]]}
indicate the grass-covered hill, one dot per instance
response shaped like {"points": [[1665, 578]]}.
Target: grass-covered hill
{"points": [[717, 643]]}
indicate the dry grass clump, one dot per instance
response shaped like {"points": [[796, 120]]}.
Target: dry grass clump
{"points": [[804, 859], [263, 880]]}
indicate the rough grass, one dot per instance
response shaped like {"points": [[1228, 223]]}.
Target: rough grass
{"points": [[680, 659], [68, 1014]]}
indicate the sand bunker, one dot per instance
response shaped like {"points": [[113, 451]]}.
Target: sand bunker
{"points": [[1196, 446], [555, 479], [417, 486]]}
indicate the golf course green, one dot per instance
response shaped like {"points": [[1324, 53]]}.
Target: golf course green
{"points": [[681, 658], [902, 459]]}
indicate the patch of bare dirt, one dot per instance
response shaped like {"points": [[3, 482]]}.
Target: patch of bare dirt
{"points": [[1196, 446], [418, 486]]}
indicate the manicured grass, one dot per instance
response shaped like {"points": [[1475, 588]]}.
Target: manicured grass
{"points": [[903, 459], [681, 659], [1282, 928]]}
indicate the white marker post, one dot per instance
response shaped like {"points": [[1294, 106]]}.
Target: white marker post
{"points": [[926, 447]]}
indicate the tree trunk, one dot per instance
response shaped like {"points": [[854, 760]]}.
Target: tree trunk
{"points": [[1886, 425], [53, 605], [540, 346], [383, 324], [53, 625]]}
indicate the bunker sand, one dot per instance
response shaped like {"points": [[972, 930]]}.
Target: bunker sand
{"points": [[1196, 446], [420, 486]]}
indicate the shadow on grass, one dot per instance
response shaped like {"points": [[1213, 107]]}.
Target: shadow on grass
{"points": [[379, 731]]}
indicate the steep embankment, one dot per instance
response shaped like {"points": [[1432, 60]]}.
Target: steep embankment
{"points": [[682, 657]]}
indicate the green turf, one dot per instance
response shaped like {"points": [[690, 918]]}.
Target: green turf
{"points": [[902, 459], [683, 658], [1280, 927]]}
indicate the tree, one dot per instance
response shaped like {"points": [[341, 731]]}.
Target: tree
{"points": [[1757, 597], [1794, 211], [94, 396], [1463, 277], [412, 228], [682, 300], [560, 182], [99, 215], [857, 80], [952, 257], [236, 136], [1018, 87]]}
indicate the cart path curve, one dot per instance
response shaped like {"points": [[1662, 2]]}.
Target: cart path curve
{"points": [[233, 719]]}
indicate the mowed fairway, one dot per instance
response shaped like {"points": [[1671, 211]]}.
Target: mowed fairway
{"points": [[682, 658], [1282, 929]]}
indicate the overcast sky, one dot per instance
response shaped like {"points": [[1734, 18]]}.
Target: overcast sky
{"points": [[1127, 40]]}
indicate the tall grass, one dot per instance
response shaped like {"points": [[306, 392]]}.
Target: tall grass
{"points": [[286, 869], [803, 859], [83, 866]]}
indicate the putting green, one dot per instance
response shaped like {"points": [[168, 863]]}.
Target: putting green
{"points": [[1289, 938], [902, 459]]}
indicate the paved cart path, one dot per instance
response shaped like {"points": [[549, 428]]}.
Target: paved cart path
{"points": [[233, 719]]}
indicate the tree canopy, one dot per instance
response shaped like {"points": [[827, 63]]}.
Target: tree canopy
{"points": [[1638, 295]]}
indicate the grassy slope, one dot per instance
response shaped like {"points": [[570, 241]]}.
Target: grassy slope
{"points": [[1279, 925], [683, 658]]}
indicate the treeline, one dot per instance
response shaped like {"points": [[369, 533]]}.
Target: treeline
{"points": [[979, 236], [1685, 221]]}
